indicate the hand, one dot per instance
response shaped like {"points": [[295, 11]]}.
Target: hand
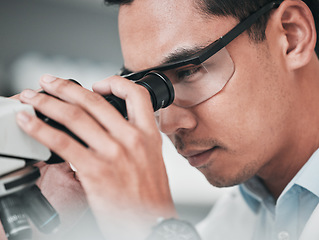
{"points": [[122, 170], [65, 193]]}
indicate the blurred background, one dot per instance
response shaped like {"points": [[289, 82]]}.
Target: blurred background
{"points": [[79, 39]]}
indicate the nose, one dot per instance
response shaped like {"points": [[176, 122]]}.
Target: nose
{"points": [[174, 118]]}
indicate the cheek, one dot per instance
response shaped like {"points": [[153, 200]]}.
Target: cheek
{"points": [[248, 115], [251, 134]]}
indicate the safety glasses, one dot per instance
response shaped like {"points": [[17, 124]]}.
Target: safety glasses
{"points": [[205, 73]]}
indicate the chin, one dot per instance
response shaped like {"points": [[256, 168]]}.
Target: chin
{"points": [[223, 182], [227, 178]]}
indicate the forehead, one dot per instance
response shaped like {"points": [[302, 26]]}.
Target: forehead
{"points": [[150, 30]]}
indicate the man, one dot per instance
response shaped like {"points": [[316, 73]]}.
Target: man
{"points": [[244, 114]]}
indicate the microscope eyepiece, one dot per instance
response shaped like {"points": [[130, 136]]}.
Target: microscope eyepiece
{"points": [[159, 87]]}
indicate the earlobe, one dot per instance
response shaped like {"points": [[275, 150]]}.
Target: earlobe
{"points": [[300, 33]]}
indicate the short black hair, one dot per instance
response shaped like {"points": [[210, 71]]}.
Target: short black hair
{"points": [[240, 9], [119, 2]]}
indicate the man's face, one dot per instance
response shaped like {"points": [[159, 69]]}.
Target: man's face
{"points": [[241, 131]]}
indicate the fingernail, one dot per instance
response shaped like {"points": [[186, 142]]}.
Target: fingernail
{"points": [[23, 117], [48, 78], [28, 93]]}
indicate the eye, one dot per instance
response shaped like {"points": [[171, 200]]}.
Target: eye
{"points": [[188, 74]]}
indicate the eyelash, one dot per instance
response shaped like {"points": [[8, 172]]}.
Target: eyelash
{"points": [[187, 73]]}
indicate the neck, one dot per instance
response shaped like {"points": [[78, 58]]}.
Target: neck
{"points": [[304, 127]]}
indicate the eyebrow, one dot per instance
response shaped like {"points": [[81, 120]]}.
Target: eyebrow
{"points": [[178, 55], [181, 54]]}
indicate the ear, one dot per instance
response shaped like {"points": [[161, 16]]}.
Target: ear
{"points": [[297, 32]]}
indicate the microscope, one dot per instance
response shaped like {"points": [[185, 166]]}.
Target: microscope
{"points": [[21, 201]]}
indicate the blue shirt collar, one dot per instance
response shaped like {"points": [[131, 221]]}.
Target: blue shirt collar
{"points": [[308, 176], [255, 193]]}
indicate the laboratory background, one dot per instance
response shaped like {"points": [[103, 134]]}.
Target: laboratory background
{"points": [[78, 39]]}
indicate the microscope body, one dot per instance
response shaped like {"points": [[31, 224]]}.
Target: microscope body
{"points": [[20, 198], [16, 147]]}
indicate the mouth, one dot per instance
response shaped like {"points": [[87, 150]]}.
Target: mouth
{"points": [[199, 158]]}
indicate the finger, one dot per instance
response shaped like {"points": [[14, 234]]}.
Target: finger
{"points": [[93, 103], [139, 106], [17, 96], [73, 117], [57, 141]]}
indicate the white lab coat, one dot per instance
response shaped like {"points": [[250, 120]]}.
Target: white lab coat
{"points": [[231, 218]]}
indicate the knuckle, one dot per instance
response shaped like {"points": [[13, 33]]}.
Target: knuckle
{"points": [[41, 101], [34, 126], [61, 86], [60, 141], [112, 154], [93, 97], [111, 80], [117, 152], [135, 139], [73, 113]]}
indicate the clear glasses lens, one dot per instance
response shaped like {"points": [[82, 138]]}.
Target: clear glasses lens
{"points": [[194, 84]]}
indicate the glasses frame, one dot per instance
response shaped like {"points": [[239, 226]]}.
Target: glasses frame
{"points": [[207, 52]]}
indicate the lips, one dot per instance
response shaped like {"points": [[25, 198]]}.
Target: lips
{"points": [[199, 158]]}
